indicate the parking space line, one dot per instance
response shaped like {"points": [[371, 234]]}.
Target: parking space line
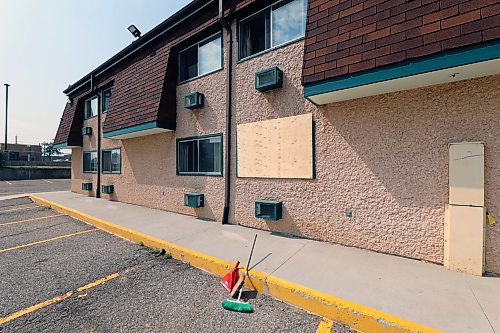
{"points": [[9, 183], [33, 219], [48, 240], [325, 326], [48, 181], [19, 208], [56, 299]]}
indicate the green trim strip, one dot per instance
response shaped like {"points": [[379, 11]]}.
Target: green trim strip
{"points": [[66, 144], [135, 128], [452, 58]]}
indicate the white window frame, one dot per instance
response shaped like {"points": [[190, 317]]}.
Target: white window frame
{"points": [[198, 62], [85, 107]]}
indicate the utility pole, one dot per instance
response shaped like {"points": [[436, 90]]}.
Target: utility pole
{"points": [[6, 111]]}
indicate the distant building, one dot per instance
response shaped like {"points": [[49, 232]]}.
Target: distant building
{"points": [[20, 152]]}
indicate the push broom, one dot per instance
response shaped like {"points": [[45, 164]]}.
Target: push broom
{"points": [[239, 305]]}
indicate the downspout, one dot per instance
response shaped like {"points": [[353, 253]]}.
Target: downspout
{"points": [[229, 63], [98, 185]]}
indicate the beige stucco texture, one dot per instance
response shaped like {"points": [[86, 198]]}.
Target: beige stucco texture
{"points": [[383, 157]]}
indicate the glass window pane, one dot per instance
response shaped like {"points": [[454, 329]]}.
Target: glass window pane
{"points": [[93, 161], [116, 160], [106, 98], [210, 57], [288, 22], [187, 156], [106, 161], [210, 154], [188, 63], [254, 34], [93, 106], [86, 162]]}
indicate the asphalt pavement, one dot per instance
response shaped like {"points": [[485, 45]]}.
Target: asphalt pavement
{"points": [[13, 187], [62, 275]]}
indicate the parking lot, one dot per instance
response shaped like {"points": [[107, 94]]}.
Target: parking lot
{"points": [[59, 274], [13, 187]]}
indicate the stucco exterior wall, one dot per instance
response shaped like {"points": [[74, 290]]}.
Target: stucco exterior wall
{"points": [[148, 166], [384, 157]]}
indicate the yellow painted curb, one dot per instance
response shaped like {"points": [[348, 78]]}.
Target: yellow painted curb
{"points": [[356, 316]]}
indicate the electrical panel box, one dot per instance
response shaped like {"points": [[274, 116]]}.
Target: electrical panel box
{"points": [[466, 174], [268, 210], [268, 79], [194, 200], [107, 189], [86, 186], [87, 131], [194, 100], [464, 239]]}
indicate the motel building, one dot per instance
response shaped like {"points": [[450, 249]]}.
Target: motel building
{"points": [[368, 123]]}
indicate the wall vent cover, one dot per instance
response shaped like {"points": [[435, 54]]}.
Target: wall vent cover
{"points": [[268, 210], [194, 100], [108, 189], [194, 200], [87, 131], [268, 79], [86, 186]]}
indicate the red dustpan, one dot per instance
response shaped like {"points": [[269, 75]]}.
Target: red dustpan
{"points": [[229, 280]]}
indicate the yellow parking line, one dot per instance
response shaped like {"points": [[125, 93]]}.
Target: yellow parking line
{"points": [[8, 182], [325, 326], [47, 240], [19, 208], [33, 219], [56, 299]]}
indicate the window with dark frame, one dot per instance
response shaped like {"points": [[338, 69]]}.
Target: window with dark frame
{"points": [[283, 22], [106, 99], [91, 108], [89, 161], [200, 59], [111, 160], [200, 155]]}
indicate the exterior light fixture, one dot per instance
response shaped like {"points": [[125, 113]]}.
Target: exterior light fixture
{"points": [[134, 31]]}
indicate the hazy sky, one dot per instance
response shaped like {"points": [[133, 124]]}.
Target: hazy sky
{"points": [[45, 45]]}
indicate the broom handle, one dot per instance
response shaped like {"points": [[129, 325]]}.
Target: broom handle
{"points": [[248, 265], [251, 252]]}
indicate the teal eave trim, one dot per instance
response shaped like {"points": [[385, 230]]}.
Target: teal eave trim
{"points": [[137, 128], [443, 60], [66, 145]]}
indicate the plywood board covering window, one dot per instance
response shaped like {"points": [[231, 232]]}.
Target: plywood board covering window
{"points": [[278, 148]]}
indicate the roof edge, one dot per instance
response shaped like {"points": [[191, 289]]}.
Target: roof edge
{"points": [[175, 19]]}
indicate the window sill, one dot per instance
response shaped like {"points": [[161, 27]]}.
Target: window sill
{"points": [[200, 76], [111, 173], [90, 172], [269, 50], [208, 174]]}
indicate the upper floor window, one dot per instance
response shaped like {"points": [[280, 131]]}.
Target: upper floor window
{"points": [[106, 98], [200, 59], [273, 26], [91, 107]]}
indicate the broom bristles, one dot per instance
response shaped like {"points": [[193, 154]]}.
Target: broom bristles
{"points": [[237, 306]]}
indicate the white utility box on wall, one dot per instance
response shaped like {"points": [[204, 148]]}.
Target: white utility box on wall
{"points": [[465, 214]]}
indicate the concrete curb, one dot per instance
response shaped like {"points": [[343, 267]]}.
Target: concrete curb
{"points": [[354, 315]]}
